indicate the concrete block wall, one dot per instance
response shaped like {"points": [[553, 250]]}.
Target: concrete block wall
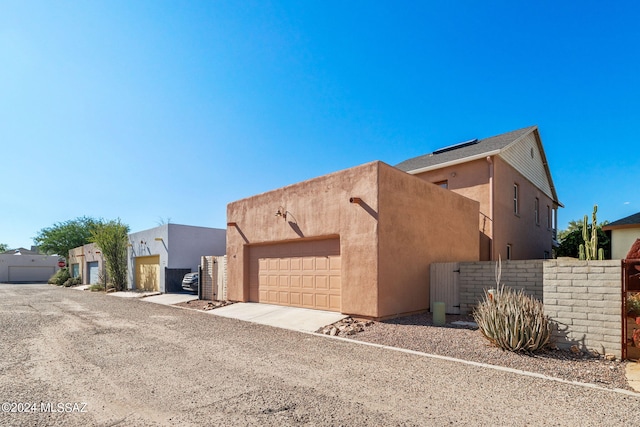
{"points": [[475, 277], [213, 278], [584, 298]]}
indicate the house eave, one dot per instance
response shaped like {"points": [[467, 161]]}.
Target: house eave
{"points": [[454, 162]]}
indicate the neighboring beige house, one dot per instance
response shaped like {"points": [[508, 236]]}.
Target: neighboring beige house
{"points": [[87, 262], [509, 176], [624, 232], [359, 241], [27, 266]]}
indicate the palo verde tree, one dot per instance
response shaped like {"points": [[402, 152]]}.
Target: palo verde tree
{"points": [[61, 237], [111, 238]]}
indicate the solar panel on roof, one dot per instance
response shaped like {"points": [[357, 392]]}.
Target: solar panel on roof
{"points": [[456, 146]]}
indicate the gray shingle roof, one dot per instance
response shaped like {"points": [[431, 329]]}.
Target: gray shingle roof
{"points": [[630, 220], [486, 145]]}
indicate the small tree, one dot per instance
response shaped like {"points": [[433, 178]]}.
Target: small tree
{"points": [[111, 238], [63, 236], [3, 247]]}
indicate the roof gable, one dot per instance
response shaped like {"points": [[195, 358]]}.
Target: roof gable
{"points": [[521, 149]]}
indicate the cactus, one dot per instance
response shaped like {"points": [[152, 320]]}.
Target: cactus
{"points": [[590, 246], [600, 254], [581, 255]]}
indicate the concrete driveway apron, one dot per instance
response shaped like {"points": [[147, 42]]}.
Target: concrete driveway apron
{"points": [[294, 318]]}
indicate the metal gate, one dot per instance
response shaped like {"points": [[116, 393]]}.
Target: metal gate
{"points": [[445, 287], [631, 309]]}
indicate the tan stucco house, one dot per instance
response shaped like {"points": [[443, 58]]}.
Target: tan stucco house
{"points": [[358, 241], [624, 233], [509, 176], [87, 262]]}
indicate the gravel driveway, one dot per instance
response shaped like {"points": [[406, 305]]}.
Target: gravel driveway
{"points": [[135, 363]]}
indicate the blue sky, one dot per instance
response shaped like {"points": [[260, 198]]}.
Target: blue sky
{"points": [[151, 111]]}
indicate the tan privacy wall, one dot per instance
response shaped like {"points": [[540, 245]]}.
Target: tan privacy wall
{"points": [[585, 299], [213, 277], [476, 277], [386, 225]]}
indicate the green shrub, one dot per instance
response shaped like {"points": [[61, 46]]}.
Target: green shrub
{"points": [[60, 277], [72, 281], [513, 320], [633, 304]]}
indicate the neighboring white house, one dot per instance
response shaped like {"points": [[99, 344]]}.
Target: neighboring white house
{"points": [[26, 266], [624, 232], [158, 258]]}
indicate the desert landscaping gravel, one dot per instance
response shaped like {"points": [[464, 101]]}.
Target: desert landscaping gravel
{"points": [[137, 363], [418, 333]]}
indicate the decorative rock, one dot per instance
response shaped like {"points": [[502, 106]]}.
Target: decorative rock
{"points": [[610, 357], [346, 326]]}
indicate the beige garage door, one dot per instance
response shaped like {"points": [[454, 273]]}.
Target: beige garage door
{"points": [[301, 274], [148, 273]]}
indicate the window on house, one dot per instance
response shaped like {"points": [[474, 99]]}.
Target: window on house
{"points": [[536, 210], [509, 249], [549, 217], [516, 189], [443, 184]]}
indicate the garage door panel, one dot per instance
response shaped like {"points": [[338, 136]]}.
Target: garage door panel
{"points": [[307, 282], [295, 282], [302, 274], [335, 283], [30, 274], [283, 297], [308, 300], [308, 264], [322, 283], [334, 303], [322, 263], [295, 298], [322, 301]]}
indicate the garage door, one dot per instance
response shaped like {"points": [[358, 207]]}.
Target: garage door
{"points": [[300, 274], [94, 272], [148, 273], [30, 274]]}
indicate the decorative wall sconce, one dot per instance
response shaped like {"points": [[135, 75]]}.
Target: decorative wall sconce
{"points": [[158, 239], [356, 200], [281, 213], [231, 224]]}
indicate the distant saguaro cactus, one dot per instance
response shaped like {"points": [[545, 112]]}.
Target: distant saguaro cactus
{"points": [[590, 250]]}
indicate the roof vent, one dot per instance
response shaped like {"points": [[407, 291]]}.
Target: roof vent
{"points": [[456, 146]]}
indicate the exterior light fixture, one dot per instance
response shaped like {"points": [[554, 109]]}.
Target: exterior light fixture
{"points": [[231, 224], [158, 239], [356, 200], [281, 213]]}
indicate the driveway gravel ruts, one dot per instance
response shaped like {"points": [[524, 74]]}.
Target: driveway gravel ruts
{"points": [[135, 363]]}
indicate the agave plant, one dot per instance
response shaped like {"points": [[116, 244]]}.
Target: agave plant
{"points": [[513, 320]]}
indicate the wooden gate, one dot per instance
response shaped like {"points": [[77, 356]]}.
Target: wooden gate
{"points": [[445, 287]]}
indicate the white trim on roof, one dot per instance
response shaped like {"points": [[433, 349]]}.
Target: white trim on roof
{"points": [[454, 162]]}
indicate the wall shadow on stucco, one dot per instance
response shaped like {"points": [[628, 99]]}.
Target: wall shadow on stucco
{"points": [[241, 234], [293, 223], [368, 209]]}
